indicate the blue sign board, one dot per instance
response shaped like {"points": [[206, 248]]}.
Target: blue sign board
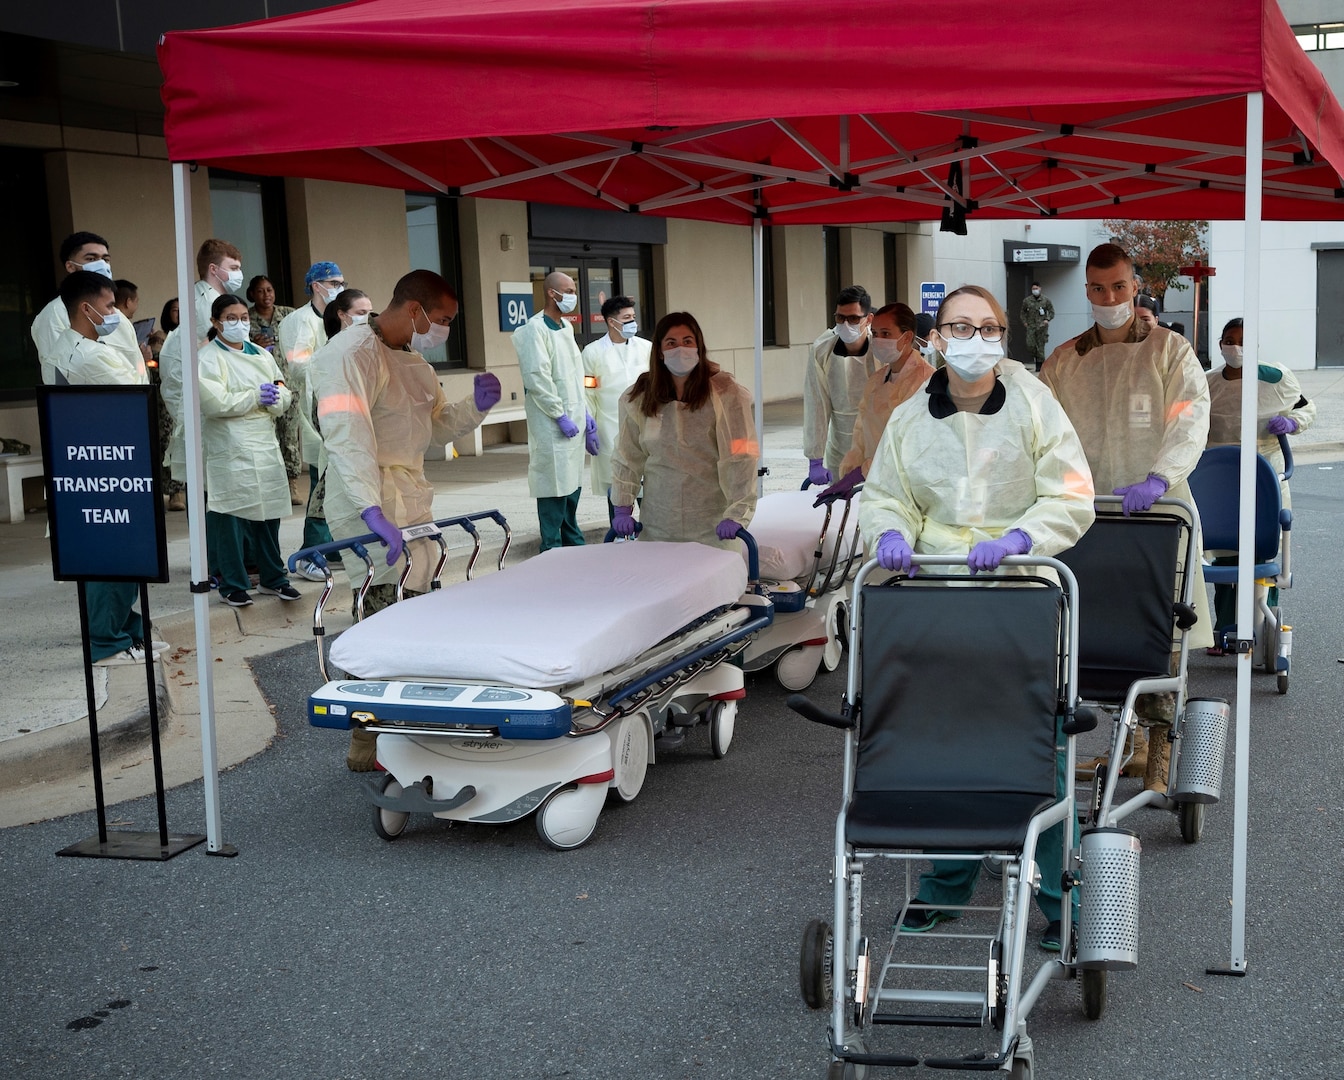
{"points": [[515, 304], [100, 445], [931, 294]]}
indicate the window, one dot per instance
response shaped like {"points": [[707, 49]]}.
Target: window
{"points": [[249, 212], [432, 234], [889, 271], [1315, 37], [27, 283], [769, 336], [596, 267], [830, 242]]}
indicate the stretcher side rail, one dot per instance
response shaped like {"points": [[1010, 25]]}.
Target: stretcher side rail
{"points": [[319, 554], [831, 581]]}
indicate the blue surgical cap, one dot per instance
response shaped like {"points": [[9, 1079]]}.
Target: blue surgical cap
{"points": [[320, 271]]}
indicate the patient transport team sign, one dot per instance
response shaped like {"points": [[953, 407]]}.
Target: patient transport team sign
{"points": [[99, 447]]}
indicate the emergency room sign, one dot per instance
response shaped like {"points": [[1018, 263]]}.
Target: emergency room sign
{"points": [[931, 295], [100, 445]]}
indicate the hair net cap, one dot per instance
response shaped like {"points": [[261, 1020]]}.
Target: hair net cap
{"points": [[320, 271]]}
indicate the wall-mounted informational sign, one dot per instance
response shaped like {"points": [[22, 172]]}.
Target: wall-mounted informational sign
{"points": [[100, 445], [931, 294], [515, 304]]}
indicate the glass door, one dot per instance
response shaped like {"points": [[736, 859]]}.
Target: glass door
{"points": [[614, 270]]}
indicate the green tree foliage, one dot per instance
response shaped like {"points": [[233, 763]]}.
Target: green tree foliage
{"points": [[1160, 248]]}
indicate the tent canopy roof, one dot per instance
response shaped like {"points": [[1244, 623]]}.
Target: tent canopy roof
{"points": [[789, 110]]}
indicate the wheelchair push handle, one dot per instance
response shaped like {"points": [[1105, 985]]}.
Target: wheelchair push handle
{"points": [[1286, 449]]}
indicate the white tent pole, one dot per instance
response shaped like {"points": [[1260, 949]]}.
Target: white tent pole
{"points": [[1255, 141], [758, 304], [190, 333]]}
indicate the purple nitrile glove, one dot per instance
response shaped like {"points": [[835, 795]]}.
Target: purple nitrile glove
{"points": [[1281, 425], [893, 553], [841, 487], [590, 442], [1142, 495], [486, 391], [388, 533], [987, 554], [726, 529], [269, 393], [817, 473], [567, 426], [623, 521]]}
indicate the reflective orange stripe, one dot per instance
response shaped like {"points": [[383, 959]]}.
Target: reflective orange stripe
{"points": [[333, 404], [744, 446]]}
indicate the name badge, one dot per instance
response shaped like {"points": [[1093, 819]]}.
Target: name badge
{"points": [[1140, 410]]}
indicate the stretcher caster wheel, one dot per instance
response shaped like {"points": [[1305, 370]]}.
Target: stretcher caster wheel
{"points": [[842, 1070], [796, 669], [1093, 984], [1268, 645], [389, 824], [814, 965], [722, 719], [630, 756], [564, 820], [1283, 684], [1022, 1069], [834, 650], [1191, 815]]}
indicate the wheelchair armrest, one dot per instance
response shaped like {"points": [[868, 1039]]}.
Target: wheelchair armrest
{"points": [[1286, 519], [1185, 615], [804, 707], [1082, 719]]}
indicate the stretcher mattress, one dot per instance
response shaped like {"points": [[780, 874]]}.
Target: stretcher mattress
{"points": [[566, 615], [786, 526]]}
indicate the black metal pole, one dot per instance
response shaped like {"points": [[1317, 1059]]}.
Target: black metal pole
{"points": [[150, 671], [93, 714]]}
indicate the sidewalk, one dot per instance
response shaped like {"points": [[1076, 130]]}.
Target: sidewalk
{"points": [[44, 757]]}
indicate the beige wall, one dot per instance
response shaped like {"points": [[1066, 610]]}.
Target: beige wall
{"points": [[863, 262], [361, 229], [807, 311], [128, 200], [914, 263]]}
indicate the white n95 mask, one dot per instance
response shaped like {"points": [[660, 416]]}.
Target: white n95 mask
{"points": [[681, 360], [1112, 318], [1231, 354], [567, 302], [849, 334], [972, 358], [886, 350]]}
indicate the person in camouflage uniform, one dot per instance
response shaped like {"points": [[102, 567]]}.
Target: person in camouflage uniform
{"points": [[1037, 311], [266, 314]]}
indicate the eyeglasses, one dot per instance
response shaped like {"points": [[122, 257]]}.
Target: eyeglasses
{"points": [[963, 331], [333, 284], [853, 320]]}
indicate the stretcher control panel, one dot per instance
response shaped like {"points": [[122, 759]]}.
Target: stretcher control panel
{"points": [[466, 708]]}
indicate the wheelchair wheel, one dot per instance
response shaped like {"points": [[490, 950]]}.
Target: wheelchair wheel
{"points": [[1093, 984], [389, 824], [814, 966], [1269, 653], [1283, 684], [1191, 815]]}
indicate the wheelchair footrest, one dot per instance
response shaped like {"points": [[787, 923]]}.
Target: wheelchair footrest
{"points": [[894, 1061], [927, 1020], [977, 1063]]}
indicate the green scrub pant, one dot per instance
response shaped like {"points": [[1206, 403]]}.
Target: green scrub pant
{"points": [[952, 883], [226, 534], [114, 624], [315, 528], [559, 520]]}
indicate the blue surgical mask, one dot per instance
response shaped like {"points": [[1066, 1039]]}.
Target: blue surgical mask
{"points": [[235, 331], [358, 320], [100, 266], [629, 329], [109, 323], [566, 302]]}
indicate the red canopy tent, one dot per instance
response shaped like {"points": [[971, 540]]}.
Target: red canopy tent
{"points": [[780, 111]]}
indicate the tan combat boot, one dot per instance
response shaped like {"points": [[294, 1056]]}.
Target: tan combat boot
{"points": [[1138, 764], [177, 500], [295, 497], [363, 753], [1158, 769]]}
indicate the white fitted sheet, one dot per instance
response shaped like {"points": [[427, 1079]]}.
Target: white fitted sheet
{"points": [[786, 526], [564, 616]]}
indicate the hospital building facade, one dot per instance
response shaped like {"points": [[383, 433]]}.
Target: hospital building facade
{"points": [[82, 147]]}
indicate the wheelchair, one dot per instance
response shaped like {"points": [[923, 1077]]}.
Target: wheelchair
{"points": [[1136, 582], [958, 689], [1216, 487]]}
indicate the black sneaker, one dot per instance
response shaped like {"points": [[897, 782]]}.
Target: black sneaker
{"points": [[285, 592], [237, 599], [917, 920]]}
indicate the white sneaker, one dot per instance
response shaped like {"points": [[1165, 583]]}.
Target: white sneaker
{"points": [[133, 655], [306, 568]]}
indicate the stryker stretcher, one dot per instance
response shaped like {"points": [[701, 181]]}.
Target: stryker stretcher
{"points": [[807, 555], [542, 687]]}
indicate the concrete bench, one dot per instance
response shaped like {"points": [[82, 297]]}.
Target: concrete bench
{"points": [[471, 445], [17, 469]]}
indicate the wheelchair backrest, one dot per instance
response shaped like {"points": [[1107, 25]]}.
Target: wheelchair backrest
{"points": [[960, 687], [1127, 572], [1216, 485]]}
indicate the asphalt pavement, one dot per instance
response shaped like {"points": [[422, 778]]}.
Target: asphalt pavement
{"points": [[665, 948]]}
